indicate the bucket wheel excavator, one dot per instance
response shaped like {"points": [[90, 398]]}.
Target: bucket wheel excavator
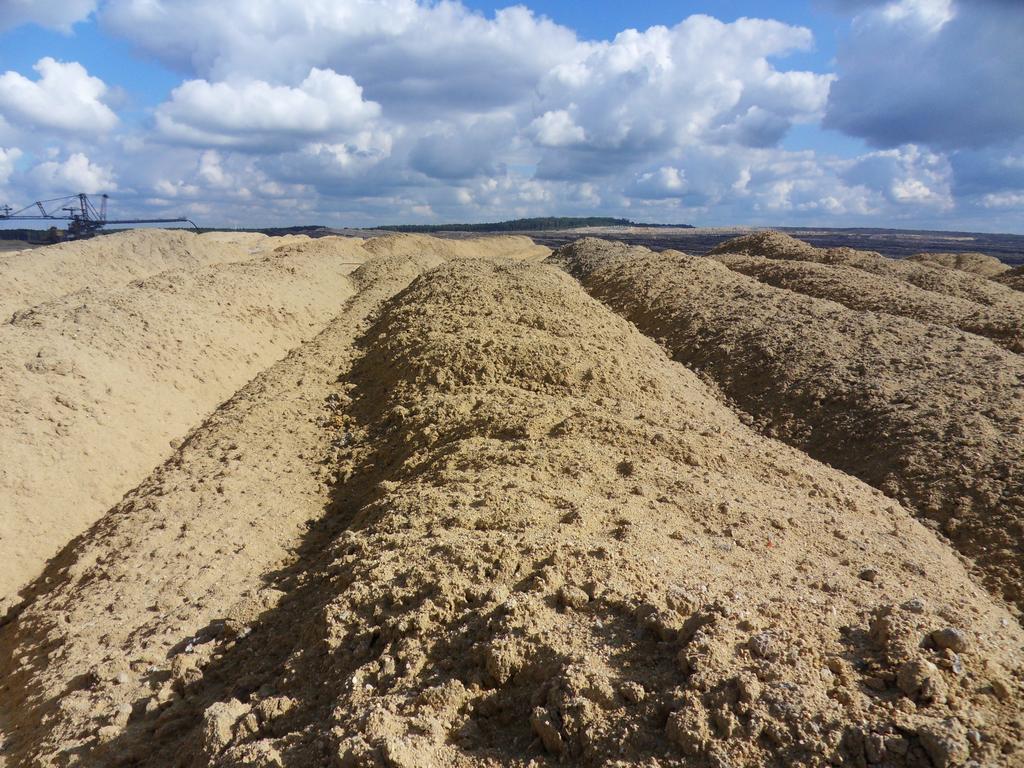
{"points": [[84, 219]]}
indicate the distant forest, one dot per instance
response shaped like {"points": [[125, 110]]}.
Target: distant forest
{"points": [[527, 225]]}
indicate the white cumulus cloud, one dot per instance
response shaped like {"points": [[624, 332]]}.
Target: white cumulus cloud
{"points": [[75, 174], [556, 129], [665, 182], [464, 149], [258, 114], [701, 81], [1004, 200], [7, 159], [363, 111], [411, 57], [64, 98], [907, 175]]}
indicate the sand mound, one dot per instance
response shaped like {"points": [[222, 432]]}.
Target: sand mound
{"points": [[111, 261], [770, 245], [546, 543], [95, 385], [504, 246], [952, 282], [189, 547], [313, 245], [931, 416], [975, 263], [857, 289], [1014, 278]]}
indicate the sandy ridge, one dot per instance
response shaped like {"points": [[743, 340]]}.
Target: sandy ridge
{"points": [[930, 277], [500, 246], [187, 549], [558, 546], [975, 263], [484, 521], [95, 385], [860, 290], [1012, 279], [930, 415], [34, 276]]}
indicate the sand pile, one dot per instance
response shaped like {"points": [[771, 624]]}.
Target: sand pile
{"points": [[312, 245], [111, 261], [930, 415], [97, 386], [975, 263], [771, 245], [191, 546], [952, 282], [857, 289], [544, 542], [505, 246]]}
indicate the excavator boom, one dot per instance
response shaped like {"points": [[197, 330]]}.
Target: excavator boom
{"points": [[84, 219]]}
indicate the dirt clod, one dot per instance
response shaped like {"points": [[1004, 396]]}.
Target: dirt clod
{"points": [[946, 743], [951, 638]]}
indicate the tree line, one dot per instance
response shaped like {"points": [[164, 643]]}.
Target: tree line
{"points": [[543, 223]]}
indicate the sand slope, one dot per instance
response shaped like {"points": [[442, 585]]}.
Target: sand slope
{"points": [[860, 290], [504, 246], [952, 282], [975, 263], [41, 274], [928, 414], [188, 548], [544, 542], [95, 385]]}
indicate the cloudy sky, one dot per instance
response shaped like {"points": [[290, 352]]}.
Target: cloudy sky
{"points": [[901, 113]]}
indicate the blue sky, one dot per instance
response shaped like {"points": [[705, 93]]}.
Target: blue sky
{"points": [[109, 58], [824, 112]]}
